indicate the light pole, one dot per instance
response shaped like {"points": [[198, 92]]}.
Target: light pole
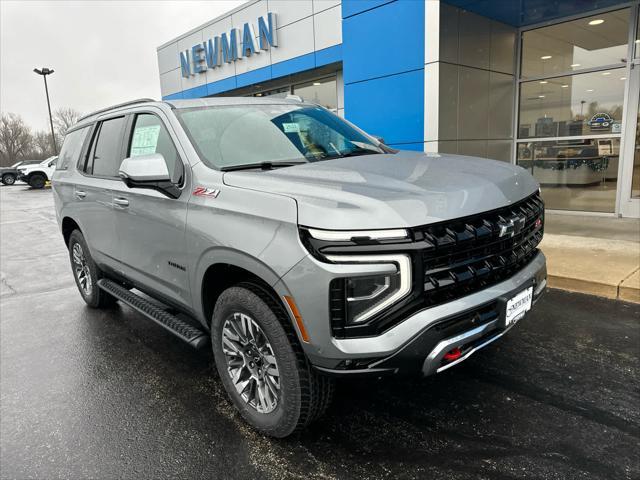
{"points": [[44, 72]]}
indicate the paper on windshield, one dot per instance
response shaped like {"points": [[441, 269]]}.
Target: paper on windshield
{"points": [[291, 128]]}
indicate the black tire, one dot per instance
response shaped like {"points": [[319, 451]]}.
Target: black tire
{"points": [[8, 179], [94, 297], [304, 394], [37, 180]]}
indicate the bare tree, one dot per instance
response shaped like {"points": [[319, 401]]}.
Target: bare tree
{"points": [[15, 138], [41, 146], [64, 119]]}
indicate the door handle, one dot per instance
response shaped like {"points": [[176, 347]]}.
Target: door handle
{"points": [[80, 194], [121, 202]]}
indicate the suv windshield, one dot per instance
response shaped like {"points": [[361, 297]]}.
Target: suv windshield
{"points": [[254, 135]]}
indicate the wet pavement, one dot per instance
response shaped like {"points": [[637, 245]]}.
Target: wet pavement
{"points": [[104, 394]]}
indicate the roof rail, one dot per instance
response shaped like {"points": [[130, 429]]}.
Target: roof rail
{"points": [[132, 102]]}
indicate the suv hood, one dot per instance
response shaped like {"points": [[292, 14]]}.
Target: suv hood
{"points": [[405, 189]]}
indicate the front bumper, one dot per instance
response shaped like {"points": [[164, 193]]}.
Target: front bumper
{"points": [[419, 343]]}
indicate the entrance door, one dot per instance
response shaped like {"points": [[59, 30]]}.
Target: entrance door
{"points": [[630, 191]]}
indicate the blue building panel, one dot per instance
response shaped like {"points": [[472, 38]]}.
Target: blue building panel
{"points": [[221, 86], [391, 107], [354, 7], [195, 92], [383, 41], [254, 76], [328, 55], [293, 65]]}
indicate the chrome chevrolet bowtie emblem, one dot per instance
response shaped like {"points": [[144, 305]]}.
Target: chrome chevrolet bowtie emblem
{"points": [[511, 226]]}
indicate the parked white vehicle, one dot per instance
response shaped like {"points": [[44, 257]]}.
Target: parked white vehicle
{"points": [[37, 175]]}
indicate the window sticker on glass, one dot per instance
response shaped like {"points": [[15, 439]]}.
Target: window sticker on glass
{"points": [[291, 128], [145, 140]]}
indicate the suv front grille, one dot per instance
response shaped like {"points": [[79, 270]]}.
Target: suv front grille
{"points": [[468, 254]]}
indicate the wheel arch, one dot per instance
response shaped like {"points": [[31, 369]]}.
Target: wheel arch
{"points": [[223, 268], [68, 225]]}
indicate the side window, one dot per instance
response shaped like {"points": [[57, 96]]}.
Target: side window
{"points": [[71, 148], [151, 136], [105, 155]]}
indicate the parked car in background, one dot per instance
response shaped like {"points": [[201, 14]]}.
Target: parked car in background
{"points": [[300, 247], [9, 175], [37, 175]]}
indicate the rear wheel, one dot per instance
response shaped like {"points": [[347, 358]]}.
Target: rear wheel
{"points": [[8, 179], [37, 180], [261, 363], [86, 273]]}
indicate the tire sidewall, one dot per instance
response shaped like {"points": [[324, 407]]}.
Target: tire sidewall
{"points": [[283, 420]]}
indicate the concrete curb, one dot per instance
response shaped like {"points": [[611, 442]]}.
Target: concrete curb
{"points": [[606, 268]]}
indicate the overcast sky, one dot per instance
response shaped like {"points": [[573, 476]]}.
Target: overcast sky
{"points": [[103, 52]]}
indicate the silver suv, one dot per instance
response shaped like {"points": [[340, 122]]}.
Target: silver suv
{"points": [[300, 247]]}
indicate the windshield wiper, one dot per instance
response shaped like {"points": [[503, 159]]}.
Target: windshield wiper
{"points": [[261, 166], [353, 153]]}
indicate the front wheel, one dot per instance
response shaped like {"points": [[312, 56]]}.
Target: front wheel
{"points": [[261, 363], [37, 181], [9, 179]]}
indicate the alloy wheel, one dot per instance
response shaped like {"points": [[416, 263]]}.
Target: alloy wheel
{"points": [[251, 363], [81, 269]]}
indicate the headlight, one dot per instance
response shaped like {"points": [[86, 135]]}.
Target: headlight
{"points": [[368, 295]]}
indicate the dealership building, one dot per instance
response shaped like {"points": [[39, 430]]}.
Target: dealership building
{"points": [[552, 86]]}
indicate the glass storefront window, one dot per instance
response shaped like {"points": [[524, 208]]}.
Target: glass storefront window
{"points": [[574, 174], [584, 104], [589, 42], [323, 92], [635, 179], [281, 92]]}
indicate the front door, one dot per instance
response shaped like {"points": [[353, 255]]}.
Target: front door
{"points": [[151, 225], [630, 189]]}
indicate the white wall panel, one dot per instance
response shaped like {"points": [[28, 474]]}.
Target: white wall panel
{"points": [[170, 82], [289, 11], [328, 28], [340, 85], [294, 40], [168, 58], [320, 5], [250, 15]]}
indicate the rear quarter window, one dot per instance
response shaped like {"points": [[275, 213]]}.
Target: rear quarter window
{"points": [[71, 148]]}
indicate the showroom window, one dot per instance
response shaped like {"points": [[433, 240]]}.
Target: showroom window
{"points": [[571, 101], [323, 92]]}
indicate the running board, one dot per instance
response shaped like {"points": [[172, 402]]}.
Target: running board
{"points": [[181, 329]]}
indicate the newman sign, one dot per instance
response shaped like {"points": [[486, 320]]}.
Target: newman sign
{"points": [[238, 43]]}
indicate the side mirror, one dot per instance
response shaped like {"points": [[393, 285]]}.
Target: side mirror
{"points": [[379, 139], [148, 171]]}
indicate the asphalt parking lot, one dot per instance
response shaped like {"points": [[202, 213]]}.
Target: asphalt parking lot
{"points": [[104, 394]]}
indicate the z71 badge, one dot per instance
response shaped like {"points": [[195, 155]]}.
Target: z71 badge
{"points": [[206, 192]]}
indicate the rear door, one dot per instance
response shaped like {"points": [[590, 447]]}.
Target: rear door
{"points": [[94, 190], [151, 225]]}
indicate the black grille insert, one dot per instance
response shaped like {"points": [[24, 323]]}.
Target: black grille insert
{"points": [[472, 253]]}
